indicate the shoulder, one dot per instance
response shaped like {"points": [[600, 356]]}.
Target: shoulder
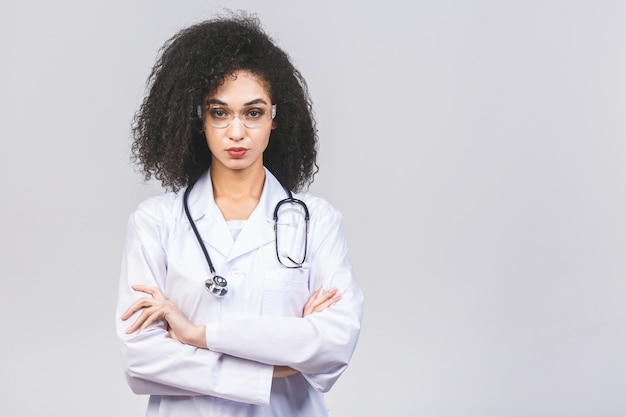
{"points": [[158, 212], [319, 208], [159, 205], [326, 223]]}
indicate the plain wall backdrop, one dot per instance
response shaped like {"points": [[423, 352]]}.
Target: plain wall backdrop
{"points": [[476, 149]]}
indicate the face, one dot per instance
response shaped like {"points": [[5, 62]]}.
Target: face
{"points": [[238, 122]]}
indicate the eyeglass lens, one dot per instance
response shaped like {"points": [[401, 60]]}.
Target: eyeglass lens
{"points": [[251, 117]]}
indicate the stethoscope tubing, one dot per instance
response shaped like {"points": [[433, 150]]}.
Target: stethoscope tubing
{"points": [[195, 229], [218, 285]]}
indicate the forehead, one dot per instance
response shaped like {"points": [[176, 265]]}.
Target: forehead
{"points": [[241, 86]]}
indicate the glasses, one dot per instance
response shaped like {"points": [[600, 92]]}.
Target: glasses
{"points": [[253, 117]]}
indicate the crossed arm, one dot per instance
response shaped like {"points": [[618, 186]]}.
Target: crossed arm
{"points": [[183, 330]]}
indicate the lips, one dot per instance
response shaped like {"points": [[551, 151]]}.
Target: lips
{"points": [[236, 152]]}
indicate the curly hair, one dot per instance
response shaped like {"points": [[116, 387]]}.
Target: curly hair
{"points": [[168, 142]]}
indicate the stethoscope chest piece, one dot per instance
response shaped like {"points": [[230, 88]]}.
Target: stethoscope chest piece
{"points": [[217, 286]]}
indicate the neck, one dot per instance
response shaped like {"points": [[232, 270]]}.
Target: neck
{"points": [[237, 184], [237, 193]]}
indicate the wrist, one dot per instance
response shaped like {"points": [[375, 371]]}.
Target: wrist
{"points": [[200, 337], [195, 336]]}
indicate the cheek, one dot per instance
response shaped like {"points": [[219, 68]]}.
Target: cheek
{"points": [[212, 140], [265, 138]]}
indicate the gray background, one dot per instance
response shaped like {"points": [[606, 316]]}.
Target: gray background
{"points": [[476, 149]]}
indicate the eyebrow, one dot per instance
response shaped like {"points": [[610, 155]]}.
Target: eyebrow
{"points": [[250, 103]]}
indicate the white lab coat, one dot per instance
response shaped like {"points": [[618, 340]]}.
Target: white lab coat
{"points": [[258, 324]]}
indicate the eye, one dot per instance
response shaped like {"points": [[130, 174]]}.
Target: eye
{"points": [[254, 114], [218, 113]]}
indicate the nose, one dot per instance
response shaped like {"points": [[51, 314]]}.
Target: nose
{"points": [[236, 129]]}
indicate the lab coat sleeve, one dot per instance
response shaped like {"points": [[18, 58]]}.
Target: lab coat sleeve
{"points": [[157, 364], [320, 345]]}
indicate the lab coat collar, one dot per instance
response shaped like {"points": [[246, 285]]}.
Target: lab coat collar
{"points": [[258, 230]]}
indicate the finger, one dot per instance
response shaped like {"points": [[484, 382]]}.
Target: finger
{"points": [[330, 293], [334, 300], [153, 291], [325, 296], [328, 303], [314, 305], [143, 302], [154, 316], [317, 291], [138, 322], [315, 294], [162, 310], [312, 298], [146, 318]]}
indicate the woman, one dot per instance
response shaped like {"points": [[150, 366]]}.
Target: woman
{"points": [[227, 127]]}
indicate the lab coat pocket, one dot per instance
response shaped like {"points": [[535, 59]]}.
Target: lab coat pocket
{"points": [[286, 291]]}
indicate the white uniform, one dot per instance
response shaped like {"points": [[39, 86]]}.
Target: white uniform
{"points": [[258, 324]]}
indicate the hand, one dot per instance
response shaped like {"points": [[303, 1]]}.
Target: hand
{"points": [[315, 304], [283, 371], [158, 307], [172, 333], [319, 302]]}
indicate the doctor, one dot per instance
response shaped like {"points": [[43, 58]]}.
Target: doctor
{"points": [[227, 127]]}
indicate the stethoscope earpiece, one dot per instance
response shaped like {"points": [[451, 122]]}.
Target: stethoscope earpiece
{"points": [[217, 286]]}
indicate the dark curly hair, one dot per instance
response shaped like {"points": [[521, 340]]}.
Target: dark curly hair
{"points": [[168, 141]]}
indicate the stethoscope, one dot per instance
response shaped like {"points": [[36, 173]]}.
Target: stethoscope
{"points": [[216, 284]]}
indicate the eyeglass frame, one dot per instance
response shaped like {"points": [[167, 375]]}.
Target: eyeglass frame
{"points": [[199, 112]]}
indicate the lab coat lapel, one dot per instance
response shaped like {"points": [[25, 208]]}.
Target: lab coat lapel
{"points": [[208, 217], [259, 229]]}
